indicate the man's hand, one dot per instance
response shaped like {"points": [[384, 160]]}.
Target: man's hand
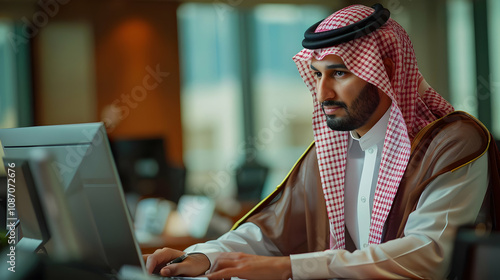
{"points": [[247, 266], [193, 265]]}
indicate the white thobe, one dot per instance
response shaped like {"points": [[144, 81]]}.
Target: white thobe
{"points": [[362, 167], [428, 234]]}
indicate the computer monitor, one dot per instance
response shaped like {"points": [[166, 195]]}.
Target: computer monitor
{"points": [[78, 161], [33, 232]]}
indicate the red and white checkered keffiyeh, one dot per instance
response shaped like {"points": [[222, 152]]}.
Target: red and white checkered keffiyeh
{"points": [[410, 112]]}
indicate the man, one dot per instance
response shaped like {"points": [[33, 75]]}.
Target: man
{"points": [[392, 173]]}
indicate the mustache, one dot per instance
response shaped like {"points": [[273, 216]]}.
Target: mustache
{"points": [[333, 103]]}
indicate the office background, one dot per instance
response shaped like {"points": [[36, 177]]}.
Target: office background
{"points": [[214, 80]]}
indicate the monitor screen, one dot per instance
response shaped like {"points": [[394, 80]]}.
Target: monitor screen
{"points": [[81, 191]]}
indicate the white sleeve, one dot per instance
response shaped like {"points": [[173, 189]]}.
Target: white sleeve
{"points": [[247, 238], [452, 199]]}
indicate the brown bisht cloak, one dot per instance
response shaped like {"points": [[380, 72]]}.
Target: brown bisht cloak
{"points": [[294, 216]]}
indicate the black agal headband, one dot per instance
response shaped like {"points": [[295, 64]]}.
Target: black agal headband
{"points": [[344, 34]]}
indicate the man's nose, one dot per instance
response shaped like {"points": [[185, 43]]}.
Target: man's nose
{"points": [[324, 90]]}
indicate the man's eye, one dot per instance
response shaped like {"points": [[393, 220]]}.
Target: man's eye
{"points": [[338, 74], [317, 74]]}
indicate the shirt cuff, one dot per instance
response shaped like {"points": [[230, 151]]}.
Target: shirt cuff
{"points": [[310, 265], [211, 252]]}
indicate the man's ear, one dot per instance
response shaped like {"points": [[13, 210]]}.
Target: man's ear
{"points": [[389, 67]]}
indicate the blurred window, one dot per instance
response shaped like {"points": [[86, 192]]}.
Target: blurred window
{"points": [[283, 104], [212, 109], [8, 114], [15, 75], [494, 46], [210, 96], [467, 86], [461, 52]]}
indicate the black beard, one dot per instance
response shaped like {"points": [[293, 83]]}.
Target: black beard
{"points": [[358, 113]]}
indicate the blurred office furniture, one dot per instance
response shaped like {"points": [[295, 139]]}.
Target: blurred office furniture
{"points": [[476, 254], [151, 218], [144, 169], [152, 214], [196, 213], [250, 180]]}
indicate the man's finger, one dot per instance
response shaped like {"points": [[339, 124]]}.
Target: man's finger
{"points": [[186, 268], [160, 257], [172, 270], [194, 265]]}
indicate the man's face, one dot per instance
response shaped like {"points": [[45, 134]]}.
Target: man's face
{"points": [[349, 102]]}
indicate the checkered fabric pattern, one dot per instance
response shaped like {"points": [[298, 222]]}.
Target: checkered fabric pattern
{"points": [[410, 112]]}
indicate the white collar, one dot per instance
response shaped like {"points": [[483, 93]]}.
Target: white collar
{"points": [[375, 135]]}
